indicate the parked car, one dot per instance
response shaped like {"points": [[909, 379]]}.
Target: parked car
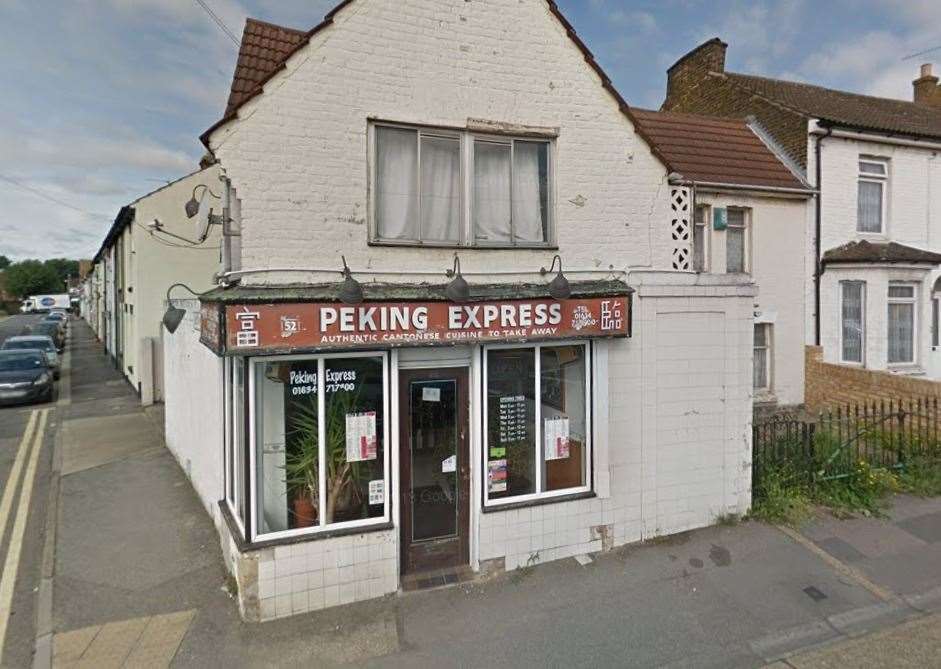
{"points": [[57, 317], [52, 330], [42, 343], [25, 376]]}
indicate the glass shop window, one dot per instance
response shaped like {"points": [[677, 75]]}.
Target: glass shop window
{"points": [[538, 436], [320, 458]]}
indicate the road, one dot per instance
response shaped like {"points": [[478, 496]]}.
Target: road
{"points": [[26, 437]]}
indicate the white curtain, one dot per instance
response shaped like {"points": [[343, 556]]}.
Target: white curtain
{"points": [[869, 206], [440, 189], [492, 191], [852, 321], [901, 332], [396, 183], [530, 189]]}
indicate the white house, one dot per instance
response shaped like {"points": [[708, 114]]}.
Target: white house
{"points": [[458, 331], [152, 245], [876, 235], [751, 208]]}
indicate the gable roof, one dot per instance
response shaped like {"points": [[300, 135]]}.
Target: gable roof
{"points": [[863, 112], [263, 48], [266, 56], [715, 150], [880, 252]]}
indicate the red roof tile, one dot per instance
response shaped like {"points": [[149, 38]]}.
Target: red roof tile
{"points": [[264, 47], [880, 252], [714, 150]]}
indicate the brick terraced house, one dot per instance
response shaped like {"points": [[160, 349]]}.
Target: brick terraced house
{"points": [[873, 286], [458, 329]]}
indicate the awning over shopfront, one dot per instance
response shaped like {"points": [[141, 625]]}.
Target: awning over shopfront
{"points": [[286, 319]]}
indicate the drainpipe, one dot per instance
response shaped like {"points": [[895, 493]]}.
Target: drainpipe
{"points": [[818, 265], [226, 226]]}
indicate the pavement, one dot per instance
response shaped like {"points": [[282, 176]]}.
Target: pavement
{"points": [[137, 579]]}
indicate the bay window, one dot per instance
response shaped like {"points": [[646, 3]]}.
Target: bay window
{"points": [[901, 323], [537, 436], [852, 321], [871, 185], [421, 195], [319, 448]]}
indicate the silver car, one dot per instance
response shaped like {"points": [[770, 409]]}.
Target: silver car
{"points": [[42, 343]]}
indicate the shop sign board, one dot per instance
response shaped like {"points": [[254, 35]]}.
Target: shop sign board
{"points": [[285, 327], [210, 326]]}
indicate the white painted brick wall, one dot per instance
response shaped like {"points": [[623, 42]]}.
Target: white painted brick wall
{"points": [[298, 154]]}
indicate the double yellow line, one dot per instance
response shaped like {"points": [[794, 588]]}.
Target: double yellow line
{"points": [[27, 455]]}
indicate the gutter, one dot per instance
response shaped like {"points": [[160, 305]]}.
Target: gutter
{"points": [[874, 137], [818, 260], [747, 187]]}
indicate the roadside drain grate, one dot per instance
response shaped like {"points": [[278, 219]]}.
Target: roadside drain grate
{"points": [[814, 593]]}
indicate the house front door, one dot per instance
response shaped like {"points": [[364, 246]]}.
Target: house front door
{"points": [[435, 468]]}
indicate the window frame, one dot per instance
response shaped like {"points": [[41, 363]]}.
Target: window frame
{"points": [[706, 237], [251, 397], [232, 493], [862, 320], [467, 229], [769, 357], [935, 321], [882, 180], [746, 228], [540, 495], [913, 301]]}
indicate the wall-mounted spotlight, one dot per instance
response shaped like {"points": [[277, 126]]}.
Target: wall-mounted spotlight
{"points": [[350, 291], [457, 290], [174, 315], [559, 287]]}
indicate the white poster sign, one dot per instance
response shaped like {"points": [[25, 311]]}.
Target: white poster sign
{"points": [[429, 394], [556, 435], [361, 443], [449, 465], [377, 492]]}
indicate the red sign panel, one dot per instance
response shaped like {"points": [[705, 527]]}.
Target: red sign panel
{"points": [[298, 326]]}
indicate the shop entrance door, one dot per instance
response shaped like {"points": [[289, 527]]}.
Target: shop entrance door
{"points": [[435, 468]]}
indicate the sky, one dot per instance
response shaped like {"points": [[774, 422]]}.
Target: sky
{"points": [[102, 101]]}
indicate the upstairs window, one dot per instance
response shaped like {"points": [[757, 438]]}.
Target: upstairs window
{"points": [[456, 188], [870, 206], [736, 242], [700, 240]]}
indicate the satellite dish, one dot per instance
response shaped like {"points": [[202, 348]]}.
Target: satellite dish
{"points": [[203, 217]]}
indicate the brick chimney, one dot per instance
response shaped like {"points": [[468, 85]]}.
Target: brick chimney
{"points": [[927, 91], [690, 70]]}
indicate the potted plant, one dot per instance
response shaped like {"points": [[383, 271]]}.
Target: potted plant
{"points": [[344, 479]]}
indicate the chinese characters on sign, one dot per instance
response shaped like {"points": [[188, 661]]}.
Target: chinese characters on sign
{"points": [[291, 326]]}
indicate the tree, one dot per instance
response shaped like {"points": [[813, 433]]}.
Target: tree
{"points": [[32, 277], [4, 263], [63, 267]]}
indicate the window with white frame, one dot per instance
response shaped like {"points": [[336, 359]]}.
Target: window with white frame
{"points": [[901, 323], [700, 239], [319, 449], [871, 189], [761, 377], [422, 195], [935, 321], [852, 321], [235, 438], [538, 422], [736, 242]]}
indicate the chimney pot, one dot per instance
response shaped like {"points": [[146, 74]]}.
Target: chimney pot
{"points": [[927, 91], [926, 70]]}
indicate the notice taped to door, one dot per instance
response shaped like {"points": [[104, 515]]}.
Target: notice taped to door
{"points": [[556, 435], [361, 442]]}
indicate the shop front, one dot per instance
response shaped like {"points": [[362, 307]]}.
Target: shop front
{"points": [[382, 433]]}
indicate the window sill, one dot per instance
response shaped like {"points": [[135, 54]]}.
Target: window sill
{"points": [[907, 370], [764, 397], [510, 506], [245, 546], [463, 247]]}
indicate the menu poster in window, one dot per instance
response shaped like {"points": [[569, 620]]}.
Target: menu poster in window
{"points": [[496, 476], [512, 419], [361, 442], [377, 492], [556, 435]]}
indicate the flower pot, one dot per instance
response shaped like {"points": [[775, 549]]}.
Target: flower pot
{"points": [[305, 514]]}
